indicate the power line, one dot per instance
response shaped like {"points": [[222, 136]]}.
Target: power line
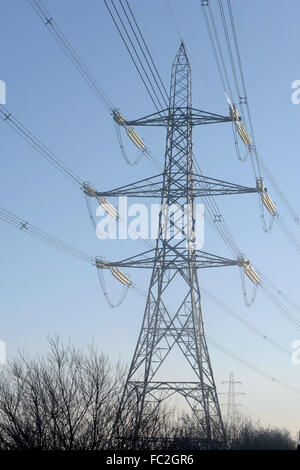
{"points": [[205, 79], [261, 162], [251, 366], [213, 209], [215, 218], [243, 321], [26, 227], [44, 14], [29, 137], [84, 71], [221, 226], [64, 43], [143, 75], [15, 221], [155, 73], [256, 160], [279, 291]]}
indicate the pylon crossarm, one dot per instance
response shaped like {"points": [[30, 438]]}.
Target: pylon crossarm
{"points": [[179, 115], [147, 187], [148, 258], [154, 119], [200, 117], [214, 187], [208, 260], [153, 187]]}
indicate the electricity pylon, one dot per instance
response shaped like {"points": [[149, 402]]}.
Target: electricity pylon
{"points": [[232, 406], [174, 263]]}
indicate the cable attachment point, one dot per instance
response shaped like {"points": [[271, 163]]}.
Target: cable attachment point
{"points": [[116, 272], [132, 134], [104, 203], [102, 264], [265, 198], [119, 118], [241, 129], [89, 190], [249, 270]]}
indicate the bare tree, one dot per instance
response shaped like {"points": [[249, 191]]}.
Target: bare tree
{"points": [[244, 434], [68, 399], [65, 400]]}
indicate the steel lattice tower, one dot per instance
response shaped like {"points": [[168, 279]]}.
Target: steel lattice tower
{"points": [[174, 263], [161, 330], [232, 409]]}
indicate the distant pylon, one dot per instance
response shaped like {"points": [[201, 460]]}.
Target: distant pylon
{"points": [[232, 406]]}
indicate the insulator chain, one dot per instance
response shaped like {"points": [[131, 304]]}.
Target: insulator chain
{"points": [[120, 121]]}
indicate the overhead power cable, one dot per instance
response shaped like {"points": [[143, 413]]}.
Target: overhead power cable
{"points": [[215, 218], [213, 210], [227, 350], [243, 321], [248, 364], [143, 65], [181, 38], [147, 54], [280, 306], [45, 16], [279, 291], [25, 226], [217, 50], [85, 72], [61, 39], [29, 137], [242, 98]]}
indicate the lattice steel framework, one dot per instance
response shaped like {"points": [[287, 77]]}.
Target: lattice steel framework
{"points": [[175, 259], [232, 405]]}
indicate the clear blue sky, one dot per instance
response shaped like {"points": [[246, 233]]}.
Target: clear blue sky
{"points": [[43, 291]]}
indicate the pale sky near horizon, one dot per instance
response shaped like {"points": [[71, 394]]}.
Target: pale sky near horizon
{"points": [[45, 292]]}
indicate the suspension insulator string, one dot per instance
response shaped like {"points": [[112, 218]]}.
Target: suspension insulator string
{"points": [[123, 152], [247, 269], [105, 292]]}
